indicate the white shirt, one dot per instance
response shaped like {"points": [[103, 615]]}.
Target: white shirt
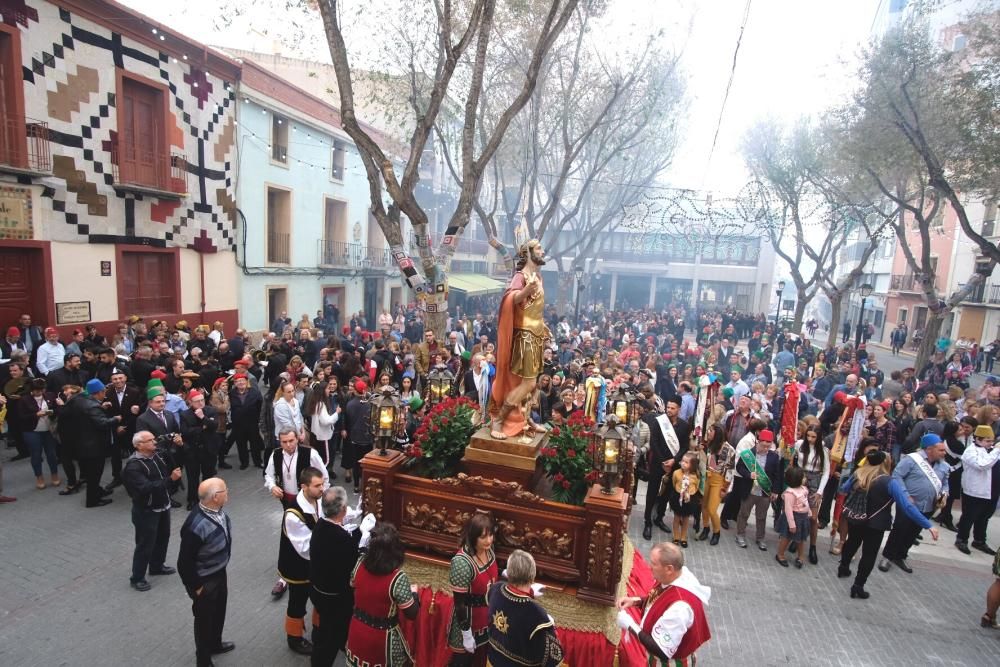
{"points": [[808, 462], [977, 475], [298, 533], [50, 357], [289, 464], [216, 336]]}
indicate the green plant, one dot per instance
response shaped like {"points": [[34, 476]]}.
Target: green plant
{"points": [[568, 460], [440, 440]]}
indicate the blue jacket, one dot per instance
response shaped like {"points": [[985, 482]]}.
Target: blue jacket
{"points": [[915, 482]]}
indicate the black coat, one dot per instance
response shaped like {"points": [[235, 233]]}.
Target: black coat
{"points": [[356, 420], [658, 451], [742, 486], [132, 397], [86, 427], [244, 413], [60, 377], [27, 409], [200, 433]]}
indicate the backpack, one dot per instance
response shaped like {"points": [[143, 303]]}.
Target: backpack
{"points": [[856, 506]]}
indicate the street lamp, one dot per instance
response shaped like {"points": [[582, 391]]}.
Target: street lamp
{"points": [[780, 289], [866, 291], [579, 285]]}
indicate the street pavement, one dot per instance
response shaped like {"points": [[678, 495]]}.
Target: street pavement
{"points": [[65, 597]]}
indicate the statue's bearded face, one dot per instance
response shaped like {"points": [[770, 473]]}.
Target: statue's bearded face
{"points": [[537, 253]]}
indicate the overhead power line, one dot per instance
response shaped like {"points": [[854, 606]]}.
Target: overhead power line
{"points": [[729, 84]]}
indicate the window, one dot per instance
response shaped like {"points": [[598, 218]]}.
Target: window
{"points": [[23, 142], [279, 226], [901, 316], [338, 156], [279, 139], [141, 151], [335, 247], [959, 42], [149, 283]]}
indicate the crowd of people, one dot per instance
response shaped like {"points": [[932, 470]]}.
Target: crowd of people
{"points": [[738, 417]]}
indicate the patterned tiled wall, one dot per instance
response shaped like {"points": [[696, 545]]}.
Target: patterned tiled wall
{"points": [[70, 66]]}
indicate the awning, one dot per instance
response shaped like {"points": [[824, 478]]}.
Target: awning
{"points": [[472, 284]]}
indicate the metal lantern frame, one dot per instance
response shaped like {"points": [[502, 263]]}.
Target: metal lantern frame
{"points": [[623, 405], [610, 445], [385, 416], [440, 381]]}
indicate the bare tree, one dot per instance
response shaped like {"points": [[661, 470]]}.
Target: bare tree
{"points": [[456, 35], [908, 130]]}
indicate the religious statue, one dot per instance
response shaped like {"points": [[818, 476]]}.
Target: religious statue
{"points": [[521, 338], [597, 394]]}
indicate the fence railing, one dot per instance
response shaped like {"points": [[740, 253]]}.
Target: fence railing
{"points": [[24, 143], [353, 255], [156, 169], [278, 248]]}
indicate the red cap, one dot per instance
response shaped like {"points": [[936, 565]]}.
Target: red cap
{"points": [[215, 385], [240, 376], [13, 331], [241, 362], [193, 393], [347, 329], [767, 436], [360, 387], [50, 330], [158, 374]]}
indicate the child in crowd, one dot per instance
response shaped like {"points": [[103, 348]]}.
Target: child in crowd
{"points": [[793, 522], [685, 501]]}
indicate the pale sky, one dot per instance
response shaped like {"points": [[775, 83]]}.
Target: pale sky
{"points": [[796, 58]]}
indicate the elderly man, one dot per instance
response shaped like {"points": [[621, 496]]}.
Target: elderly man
{"points": [[199, 428], [521, 632], [147, 480], [333, 552], [849, 387], [924, 475], [757, 486], [673, 623], [206, 544], [50, 354], [978, 503]]}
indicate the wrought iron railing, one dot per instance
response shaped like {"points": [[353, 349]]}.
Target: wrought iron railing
{"points": [[156, 169], [24, 143], [353, 255]]}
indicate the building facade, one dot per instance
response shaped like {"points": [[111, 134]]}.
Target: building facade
{"points": [[306, 234], [115, 161]]}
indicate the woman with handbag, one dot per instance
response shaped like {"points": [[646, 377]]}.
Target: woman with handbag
{"points": [[871, 491], [719, 476]]}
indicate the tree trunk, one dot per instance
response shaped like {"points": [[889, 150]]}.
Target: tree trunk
{"points": [[564, 293], [800, 311], [836, 305], [436, 317], [931, 333]]}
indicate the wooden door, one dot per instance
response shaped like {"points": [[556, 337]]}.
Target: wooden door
{"points": [[140, 152], [20, 278]]}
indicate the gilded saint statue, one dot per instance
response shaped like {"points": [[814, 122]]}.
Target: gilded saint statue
{"points": [[521, 338]]}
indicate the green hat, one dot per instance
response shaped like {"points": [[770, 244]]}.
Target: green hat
{"points": [[736, 369], [416, 403], [727, 392], [466, 355], [153, 391], [154, 382]]}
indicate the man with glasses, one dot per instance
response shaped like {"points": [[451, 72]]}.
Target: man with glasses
{"points": [[206, 545], [147, 480]]}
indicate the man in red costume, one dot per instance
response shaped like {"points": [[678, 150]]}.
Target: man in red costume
{"points": [[673, 622], [521, 338]]}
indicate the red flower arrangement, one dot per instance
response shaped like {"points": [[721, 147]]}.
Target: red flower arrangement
{"points": [[441, 438], [570, 472]]}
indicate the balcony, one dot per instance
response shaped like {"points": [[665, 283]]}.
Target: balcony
{"points": [[278, 248], [159, 172], [987, 294], [24, 146], [341, 254], [904, 283], [279, 153]]}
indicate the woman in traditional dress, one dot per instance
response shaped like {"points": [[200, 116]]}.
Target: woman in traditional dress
{"points": [[814, 459], [381, 591], [473, 571]]}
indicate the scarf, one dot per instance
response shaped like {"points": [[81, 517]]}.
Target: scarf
{"points": [[749, 457]]}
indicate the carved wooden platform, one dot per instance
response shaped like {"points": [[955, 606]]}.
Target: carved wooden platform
{"points": [[513, 459], [581, 546]]}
